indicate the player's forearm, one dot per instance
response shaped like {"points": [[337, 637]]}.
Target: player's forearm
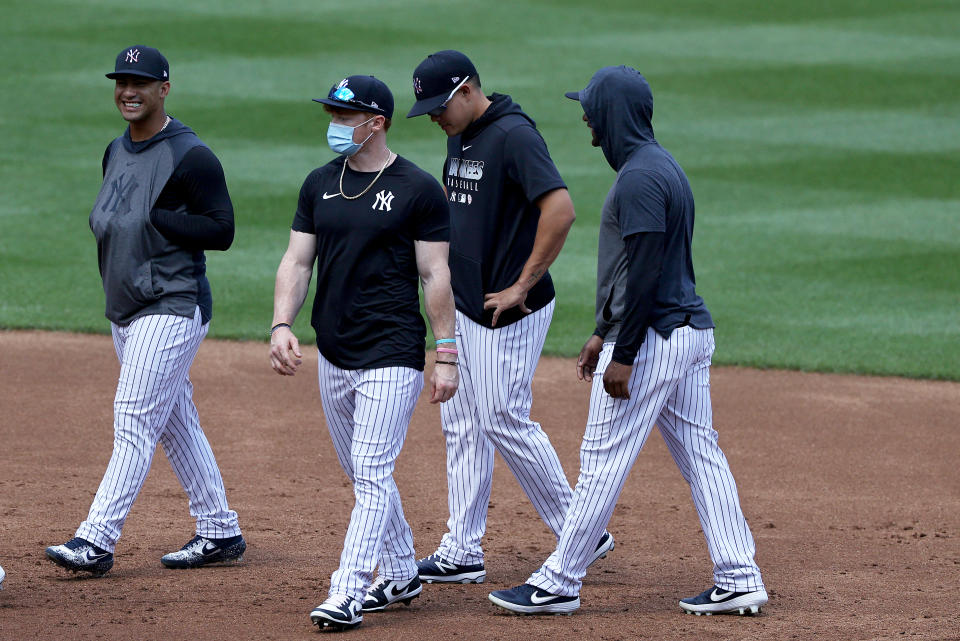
{"points": [[556, 218], [290, 290], [207, 230], [438, 303], [644, 269]]}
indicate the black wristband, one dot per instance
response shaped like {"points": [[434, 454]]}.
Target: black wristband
{"points": [[447, 363], [274, 328]]}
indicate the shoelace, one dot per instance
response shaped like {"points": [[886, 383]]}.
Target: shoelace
{"points": [[196, 545], [340, 600]]}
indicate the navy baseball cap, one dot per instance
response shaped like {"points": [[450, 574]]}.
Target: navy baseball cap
{"points": [[140, 60], [436, 78], [360, 93]]}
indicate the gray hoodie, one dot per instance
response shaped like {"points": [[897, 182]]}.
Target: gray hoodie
{"points": [[143, 272]]}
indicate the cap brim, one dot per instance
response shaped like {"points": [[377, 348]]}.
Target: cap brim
{"points": [[347, 105], [421, 107], [573, 95], [113, 75]]}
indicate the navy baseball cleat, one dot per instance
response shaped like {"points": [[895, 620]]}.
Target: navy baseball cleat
{"points": [[339, 612], [386, 592], [528, 599], [433, 569], [200, 551], [80, 555], [605, 545], [716, 600]]}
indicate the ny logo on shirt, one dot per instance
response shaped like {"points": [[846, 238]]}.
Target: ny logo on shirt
{"points": [[384, 198], [122, 190]]}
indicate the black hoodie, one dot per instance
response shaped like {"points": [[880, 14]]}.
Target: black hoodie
{"points": [[494, 172], [645, 272]]}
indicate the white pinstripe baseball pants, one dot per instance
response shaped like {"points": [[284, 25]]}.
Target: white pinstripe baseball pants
{"points": [[670, 385], [154, 403], [491, 409], [368, 412]]}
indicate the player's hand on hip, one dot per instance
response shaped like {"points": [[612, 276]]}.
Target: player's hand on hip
{"points": [[285, 356], [503, 300], [443, 382], [616, 380], [589, 355]]}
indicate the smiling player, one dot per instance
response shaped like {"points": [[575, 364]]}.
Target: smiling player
{"points": [[163, 201]]}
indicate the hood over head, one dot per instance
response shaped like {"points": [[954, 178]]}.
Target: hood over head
{"points": [[619, 105]]}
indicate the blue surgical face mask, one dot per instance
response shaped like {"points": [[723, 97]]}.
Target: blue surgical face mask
{"points": [[340, 138]]}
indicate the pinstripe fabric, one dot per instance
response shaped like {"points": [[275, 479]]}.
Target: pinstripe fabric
{"points": [[367, 413], [154, 403], [491, 410], [670, 385]]}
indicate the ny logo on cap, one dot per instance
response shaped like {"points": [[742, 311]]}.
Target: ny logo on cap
{"points": [[343, 83], [133, 55], [417, 87]]}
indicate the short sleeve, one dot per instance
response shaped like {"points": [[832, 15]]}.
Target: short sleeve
{"points": [[303, 220], [432, 214], [527, 162], [641, 203]]}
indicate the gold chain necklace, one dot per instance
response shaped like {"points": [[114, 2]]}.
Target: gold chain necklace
{"points": [[165, 123], [379, 173]]}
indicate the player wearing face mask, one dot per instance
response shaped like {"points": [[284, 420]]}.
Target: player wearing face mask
{"points": [[373, 223]]}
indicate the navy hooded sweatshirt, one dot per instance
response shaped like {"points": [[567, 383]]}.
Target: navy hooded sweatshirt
{"points": [[645, 272]]}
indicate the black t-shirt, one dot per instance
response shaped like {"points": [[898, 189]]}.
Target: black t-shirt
{"points": [[367, 309], [494, 172]]}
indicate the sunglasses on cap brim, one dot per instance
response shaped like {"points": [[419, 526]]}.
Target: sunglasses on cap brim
{"points": [[343, 94], [436, 111]]}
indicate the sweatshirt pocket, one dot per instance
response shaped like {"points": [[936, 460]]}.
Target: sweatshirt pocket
{"points": [[131, 292], [143, 283]]}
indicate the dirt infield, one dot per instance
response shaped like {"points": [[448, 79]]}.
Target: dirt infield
{"points": [[850, 485]]}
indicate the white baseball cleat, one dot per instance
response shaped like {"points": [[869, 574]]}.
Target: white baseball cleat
{"points": [[716, 600], [434, 569], [339, 612]]}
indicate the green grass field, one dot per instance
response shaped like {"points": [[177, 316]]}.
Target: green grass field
{"points": [[822, 140]]}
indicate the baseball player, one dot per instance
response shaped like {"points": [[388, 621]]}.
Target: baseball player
{"points": [[163, 202], [509, 217], [649, 360], [373, 223]]}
